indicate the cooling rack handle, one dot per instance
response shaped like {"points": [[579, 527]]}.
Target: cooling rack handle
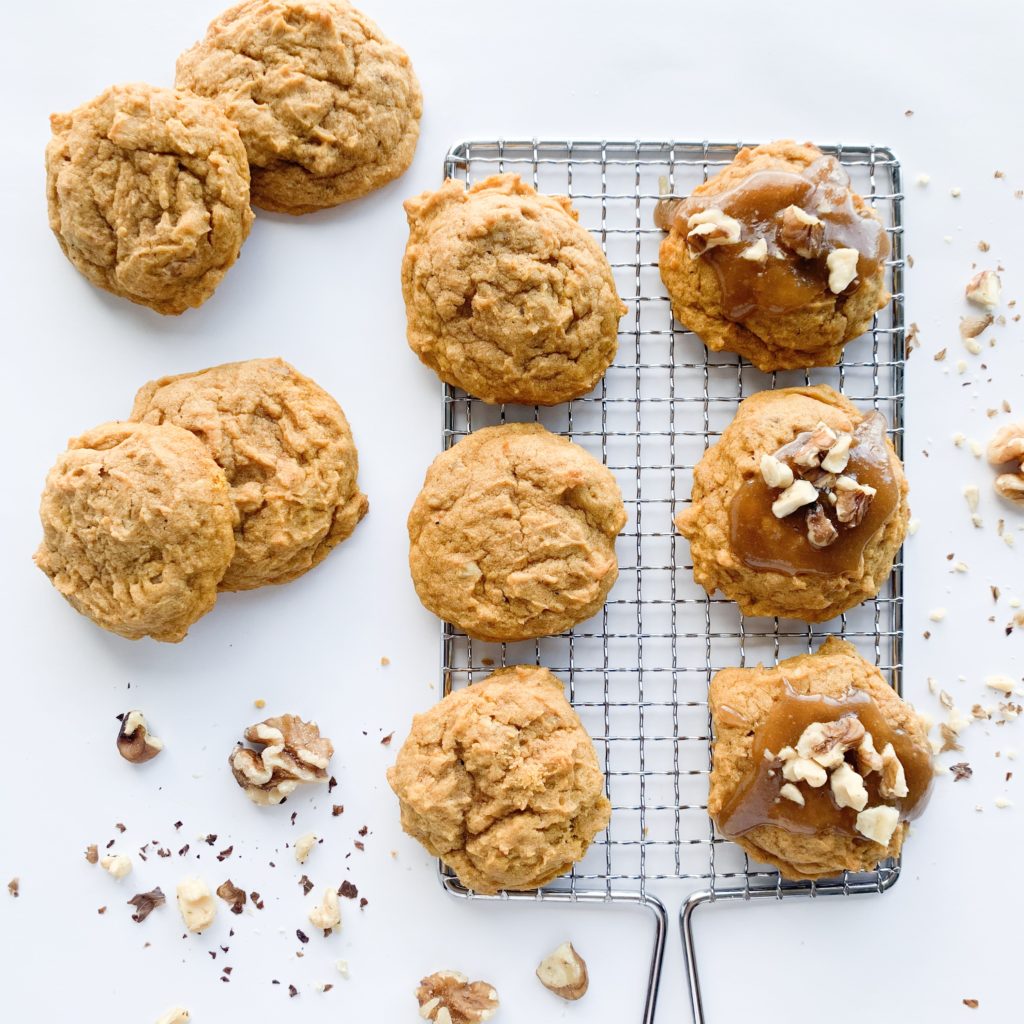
{"points": [[689, 951]]}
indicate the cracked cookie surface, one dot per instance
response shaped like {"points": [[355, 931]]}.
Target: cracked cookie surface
{"points": [[137, 529], [506, 295], [513, 534], [288, 454], [148, 194], [741, 700], [501, 781], [811, 334], [764, 423], [327, 106]]}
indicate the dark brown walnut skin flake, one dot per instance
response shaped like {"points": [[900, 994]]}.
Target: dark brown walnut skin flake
{"points": [[14, 887], [306, 884], [348, 890], [145, 903], [337, 809], [961, 770], [232, 895]]}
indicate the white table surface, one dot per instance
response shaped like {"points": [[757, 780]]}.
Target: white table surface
{"points": [[323, 292]]}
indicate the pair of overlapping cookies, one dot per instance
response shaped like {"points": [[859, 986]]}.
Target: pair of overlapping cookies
{"points": [[797, 511]]}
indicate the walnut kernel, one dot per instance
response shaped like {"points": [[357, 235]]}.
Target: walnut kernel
{"points": [[293, 753], [564, 972], [448, 997], [195, 901], [134, 741], [709, 228]]}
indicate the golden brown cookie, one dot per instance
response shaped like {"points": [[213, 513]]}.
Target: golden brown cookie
{"points": [[327, 106], [148, 194], [506, 296], [288, 454], [781, 519], [776, 258], [513, 535], [501, 781], [137, 529], [817, 763]]}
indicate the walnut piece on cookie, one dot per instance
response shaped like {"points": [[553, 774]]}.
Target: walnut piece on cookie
{"points": [[775, 257], [811, 547], [293, 753], [148, 194], [328, 108], [513, 534], [501, 781], [137, 529], [288, 454], [506, 295], [829, 709]]}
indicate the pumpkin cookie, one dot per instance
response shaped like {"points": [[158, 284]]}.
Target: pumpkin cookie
{"points": [[328, 108], [800, 508], [137, 529], [506, 296], [817, 765], [501, 781], [148, 194], [288, 454], [776, 258], [513, 535]]}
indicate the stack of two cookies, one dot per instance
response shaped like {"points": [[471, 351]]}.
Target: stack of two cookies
{"points": [[232, 478], [513, 535]]}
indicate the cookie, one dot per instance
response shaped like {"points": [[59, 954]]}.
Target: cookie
{"points": [[327, 106], [287, 451], [501, 781], [148, 194], [817, 765], [506, 296], [800, 508], [513, 535], [137, 529], [776, 258]]}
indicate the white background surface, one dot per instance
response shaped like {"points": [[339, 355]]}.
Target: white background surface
{"points": [[323, 292]]}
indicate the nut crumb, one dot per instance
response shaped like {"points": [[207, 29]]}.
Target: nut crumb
{"points": [[195, 901], [564, 972], [385, 661], [303, 846], [961, 771], [937, 614], [14, 887], [327, 915], [175, 1015], [92, 854], [117, 865]]}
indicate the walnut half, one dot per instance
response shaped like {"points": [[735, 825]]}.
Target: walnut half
{"points": [[1006, 447], [447, 997], [293, 753]]}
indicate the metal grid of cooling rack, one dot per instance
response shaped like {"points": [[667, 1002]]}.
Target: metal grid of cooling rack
{"points": [[638, 672]]}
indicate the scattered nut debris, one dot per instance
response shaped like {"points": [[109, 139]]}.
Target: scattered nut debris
{"points": [[259, 703], [385, 661], [303, 846], [1002, 803], [348, 890], [195, 901], [293, 753], [92, 854], [117, 865], [305, 885], [961, 771], [328, 914], [564, 972], [232, 895], [1004, 684], [972, 1003], [14, 887], [145, 903], [134, 741], [342, 968], [985, 288], [175, 1015], [972, 326], [937, 614], [448, 997], [386, 741]]}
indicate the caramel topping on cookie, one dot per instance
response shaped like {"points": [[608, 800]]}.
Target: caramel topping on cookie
{"points": [[779, 239], [816, 768], [837, 492]]}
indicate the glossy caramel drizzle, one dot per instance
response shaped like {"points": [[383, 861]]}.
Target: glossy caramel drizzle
{"points": [[761, 541], [757, 802], [784, 281]]}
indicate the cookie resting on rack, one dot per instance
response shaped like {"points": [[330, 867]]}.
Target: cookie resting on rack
{"points": [[288, 454], [327, 106], [513, 535], [148, 194], [501, 781], [800, 508], [137, 529], [818, 764], [775, 257], [506, 295]]}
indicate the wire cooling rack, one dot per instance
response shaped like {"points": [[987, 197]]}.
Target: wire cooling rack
{"points": [[638, 672]]}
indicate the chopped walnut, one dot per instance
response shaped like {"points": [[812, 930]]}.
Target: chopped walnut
{"points": [[294, 752], [848, 788], [894, 780], [972, 326], [802, 233], [195, 901], [838, 456], [756, 252], [809, 447], [175, 1015], [710, 228], [303, 847], [878, 823], [134, 741], [564, 972], [827, 742], [868, 759], [984, 289], [853, 500], [820, 531], [775, 474], [117, 865], [92, 853], [804, 769], [448, 997], [842, 269], [327, 915], [788, 791], [233, 896], [798, 494]]}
